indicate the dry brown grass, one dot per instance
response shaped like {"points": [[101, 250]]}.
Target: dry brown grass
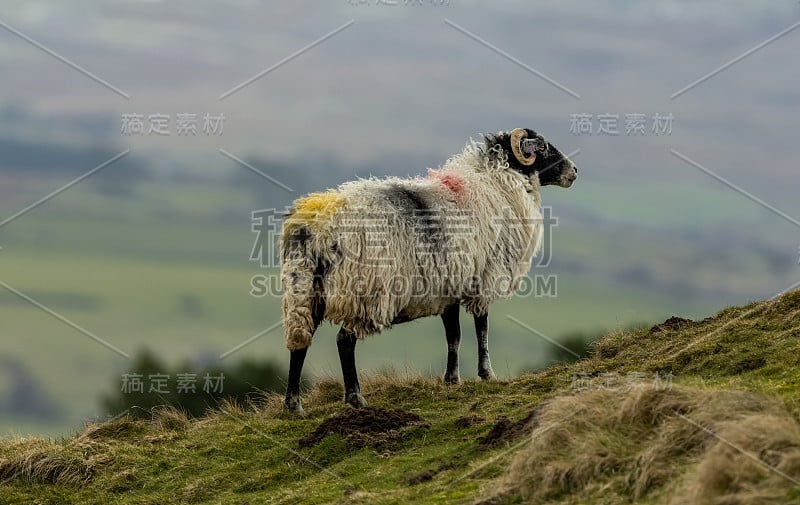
{"points": [[762, 473], [326, 390], [640, 441], [167, 418], [42, 461], [330, 391], [74, 462]]}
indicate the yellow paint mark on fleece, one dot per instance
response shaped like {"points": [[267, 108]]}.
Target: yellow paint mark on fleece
{"points": [[313, 209]]}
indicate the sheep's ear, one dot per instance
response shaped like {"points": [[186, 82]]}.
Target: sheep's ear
{"points": [[517, 138]]}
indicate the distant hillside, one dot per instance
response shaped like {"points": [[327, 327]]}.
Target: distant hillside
{"points": [[681, 412]]}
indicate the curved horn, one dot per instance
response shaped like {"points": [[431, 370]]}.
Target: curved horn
{"points": [[516, 147]]}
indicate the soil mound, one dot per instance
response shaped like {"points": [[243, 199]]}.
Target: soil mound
{"points": [[364, 426], [672, 324]]}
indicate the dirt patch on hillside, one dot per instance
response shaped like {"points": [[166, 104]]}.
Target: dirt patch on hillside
{"points": [[674, 323], [504, 430], [364, 426]]}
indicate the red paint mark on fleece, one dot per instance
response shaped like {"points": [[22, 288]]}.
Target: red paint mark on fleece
{"points": [[450, 180]]}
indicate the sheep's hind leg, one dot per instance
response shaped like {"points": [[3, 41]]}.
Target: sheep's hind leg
{"points": [[452, 331], [485, 371], [346, 343], [292, 400]]}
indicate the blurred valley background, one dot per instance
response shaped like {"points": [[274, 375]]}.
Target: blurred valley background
{"points": [[153, 250]]}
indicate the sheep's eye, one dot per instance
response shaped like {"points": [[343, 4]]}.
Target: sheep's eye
{"points": [[530, 146]]}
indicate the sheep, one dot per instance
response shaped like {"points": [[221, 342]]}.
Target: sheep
{"points": [[377, 252]]}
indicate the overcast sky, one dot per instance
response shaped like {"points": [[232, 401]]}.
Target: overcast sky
{"points": [[406, 81]]}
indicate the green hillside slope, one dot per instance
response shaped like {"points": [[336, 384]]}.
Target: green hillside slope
{"points": [[683, 412]]}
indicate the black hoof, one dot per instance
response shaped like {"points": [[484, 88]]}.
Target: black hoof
{"points": [[292, 403], [452, 379], [487, 375], [355, 400]]}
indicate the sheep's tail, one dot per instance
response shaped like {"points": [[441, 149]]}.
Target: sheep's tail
{"points": [[304, 264], [302, 275]]}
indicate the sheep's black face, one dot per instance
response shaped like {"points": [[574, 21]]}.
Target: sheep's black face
{"points": [[552, 167]]}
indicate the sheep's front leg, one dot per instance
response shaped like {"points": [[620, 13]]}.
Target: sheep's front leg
{"points": [[485, 371], [292, 400], [346, 343], [452, 331]]}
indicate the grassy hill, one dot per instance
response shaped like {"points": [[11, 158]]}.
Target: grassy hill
{"points": [[683, 412]]}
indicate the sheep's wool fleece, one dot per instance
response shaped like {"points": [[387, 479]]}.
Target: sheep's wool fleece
{"points": [[379, 251]]}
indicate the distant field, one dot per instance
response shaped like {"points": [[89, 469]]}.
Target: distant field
{"points": [[135, 304]]}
